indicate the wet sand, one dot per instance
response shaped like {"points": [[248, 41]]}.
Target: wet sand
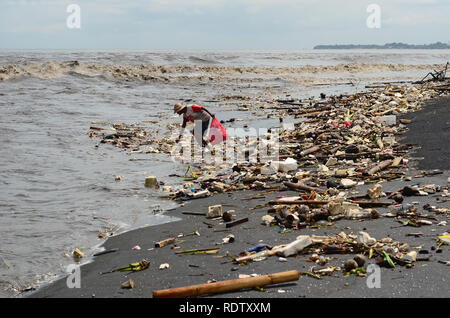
{"points": [[430, 130], [425, 279]]}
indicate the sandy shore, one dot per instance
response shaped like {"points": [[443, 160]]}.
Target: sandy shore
{"points": [[426, 278]]}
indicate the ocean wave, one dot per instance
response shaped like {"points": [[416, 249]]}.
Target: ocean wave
{"points": [[197, 59], [165, 73]]}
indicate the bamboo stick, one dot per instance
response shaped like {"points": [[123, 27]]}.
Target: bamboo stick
{"points": [[198, 250], [256, 255], [378, 167], [301, 186], [310, 150], [228, 286]]}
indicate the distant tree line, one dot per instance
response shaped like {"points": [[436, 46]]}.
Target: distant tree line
{"points": [[394, 45]]}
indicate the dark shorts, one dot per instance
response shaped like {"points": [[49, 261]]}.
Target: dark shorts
{"points": [[205, 126]]}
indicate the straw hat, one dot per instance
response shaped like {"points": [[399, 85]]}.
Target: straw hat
{"points": [[178, 107]]}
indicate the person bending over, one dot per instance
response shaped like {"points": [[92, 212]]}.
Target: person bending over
{"points": [[196, 114]]}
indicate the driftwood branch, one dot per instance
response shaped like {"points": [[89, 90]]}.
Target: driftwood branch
{"points": [[301, 186], [381, 166]]}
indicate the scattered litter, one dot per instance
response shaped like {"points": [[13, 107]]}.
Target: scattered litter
{"points": [[375, 192], [350, 264], [165, 242], [296, 246], [237, 222], [214, 211], [106, 252], [340, 144], [365, 238], [229, 239], [128, 284], [133, 267], [77, 254], [199, 251], [445, 239], [151, 182], [258, 248], [164, 266], [227, 216]]}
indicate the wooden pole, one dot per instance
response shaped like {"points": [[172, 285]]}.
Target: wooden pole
{"points": [[231, 224], [301, 186], [309, 150], [228, 286], [378, 167]]}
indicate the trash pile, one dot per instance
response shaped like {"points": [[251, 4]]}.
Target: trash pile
{"points": [[387, 253], [316, 209], [339, 143]]}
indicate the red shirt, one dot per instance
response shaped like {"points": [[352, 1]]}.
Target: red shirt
{"points": [[195, 112]]}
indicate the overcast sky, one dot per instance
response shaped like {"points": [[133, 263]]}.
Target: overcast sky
{"points": [[219, 24]]}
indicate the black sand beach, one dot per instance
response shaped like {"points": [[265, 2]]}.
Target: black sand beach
{"points": [[429, 129]]}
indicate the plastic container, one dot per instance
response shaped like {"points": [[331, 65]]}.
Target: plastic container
{"points": [[214, 211], [151, 182], [284, 166]]}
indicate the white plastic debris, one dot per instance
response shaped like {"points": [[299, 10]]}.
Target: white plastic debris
{"points": [[347, 183], [284, 166], [296, 246], [343, 208], [331, 162], [389, 120], [411, 256], [375, 191], [430, 188], [164, 266], [365, 238], [267, 219]]}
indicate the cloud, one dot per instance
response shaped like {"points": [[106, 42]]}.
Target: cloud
{"points": [[234, 24], [42, 29]]}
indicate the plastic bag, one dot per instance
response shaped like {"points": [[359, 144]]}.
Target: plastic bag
{"points": [[217, 133]]}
